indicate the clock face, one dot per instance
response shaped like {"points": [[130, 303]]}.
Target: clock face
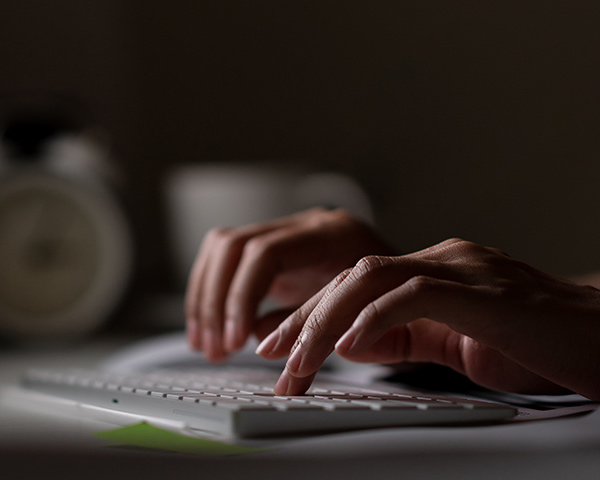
{"points": [[64, 256], [49, 251]]}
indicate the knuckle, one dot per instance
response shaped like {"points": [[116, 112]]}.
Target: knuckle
{"points": [[217, 233], [259, 248], [316, 326], [339, 279], [459, 251], [452, 241], [317, 330], [227, 239], [463, 246], [316, 216], [458, 243], [326, 216], [296, 344], [232, 241], [421, 285], [339, 215], [368, 265]]}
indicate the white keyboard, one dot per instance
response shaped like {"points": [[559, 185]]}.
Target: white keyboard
{"points": [[239, 402]]}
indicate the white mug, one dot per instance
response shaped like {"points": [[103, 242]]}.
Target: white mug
{"points": [[201, 197]]}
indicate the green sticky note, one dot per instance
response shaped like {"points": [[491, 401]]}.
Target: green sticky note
{"points": [[149, 436]]}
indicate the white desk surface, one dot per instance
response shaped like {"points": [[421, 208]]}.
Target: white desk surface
{"points": [[37, 445]]}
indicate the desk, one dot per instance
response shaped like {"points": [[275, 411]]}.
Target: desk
{"points": [[35, 445]]}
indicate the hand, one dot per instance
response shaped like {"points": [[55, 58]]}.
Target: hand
{"points": [[288, 259], [498, 321]]}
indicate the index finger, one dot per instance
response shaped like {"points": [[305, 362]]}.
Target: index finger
{"points": [[371, 278]]}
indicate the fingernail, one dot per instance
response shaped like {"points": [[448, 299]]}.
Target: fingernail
{"points": [[282, 384], [345, 344], [266, 347], [293, 363]]}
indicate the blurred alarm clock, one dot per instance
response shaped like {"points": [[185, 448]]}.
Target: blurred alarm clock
{"points": [[65, 243]]}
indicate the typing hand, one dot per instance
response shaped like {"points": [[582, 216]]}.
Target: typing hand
{"points": [[288, 259], [502, 323]]}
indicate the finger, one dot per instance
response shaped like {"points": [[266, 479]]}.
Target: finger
{"points": [[264, 257], [289, 385], [282, 340], [461, 307], [421, 340], [220, 257], [371, 278], [192, 304], [436, 251], [427, 341], [490, 348]]}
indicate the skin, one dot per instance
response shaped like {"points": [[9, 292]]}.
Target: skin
{"points": [[500, 322]]}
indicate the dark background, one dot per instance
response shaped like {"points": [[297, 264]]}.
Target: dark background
{"points": [[461, 118]]}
